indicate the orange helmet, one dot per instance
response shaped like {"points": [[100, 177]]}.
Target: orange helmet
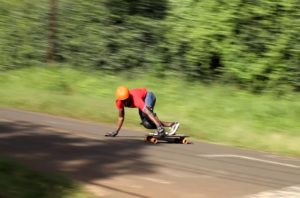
{"points": [[122, 93]]}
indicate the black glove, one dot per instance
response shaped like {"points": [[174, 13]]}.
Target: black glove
{"points": [[111, 134]]}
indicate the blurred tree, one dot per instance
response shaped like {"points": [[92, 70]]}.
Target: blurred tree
{"points": [[254, 43], [23, 32], [52, 30]]}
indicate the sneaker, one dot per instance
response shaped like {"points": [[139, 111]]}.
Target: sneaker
{"points": [[174, 128], [161, 133]]}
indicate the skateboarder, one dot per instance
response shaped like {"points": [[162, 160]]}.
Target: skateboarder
{"points": [[144, 100]]}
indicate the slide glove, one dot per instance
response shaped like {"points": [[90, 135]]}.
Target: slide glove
{"points": [[111, 134]]}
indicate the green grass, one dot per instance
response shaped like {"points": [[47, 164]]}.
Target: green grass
{"points": [[18, 181], [216, 113]]}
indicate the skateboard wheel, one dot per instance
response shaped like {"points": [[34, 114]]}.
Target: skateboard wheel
{"points": [[153, 140], [147, 139], [184, 141]]}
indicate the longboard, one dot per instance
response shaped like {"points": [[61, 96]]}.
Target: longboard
{"points": [[178, 138]]}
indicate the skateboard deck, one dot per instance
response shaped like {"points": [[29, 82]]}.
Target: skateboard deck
{"points": [[178, 138]]}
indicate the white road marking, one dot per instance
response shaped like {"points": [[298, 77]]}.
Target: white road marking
{"points": [[249, 158], [5, 120], [288, 192], [287, 157], [136, 186], [52, 122], [61, 123], [156, 180]]}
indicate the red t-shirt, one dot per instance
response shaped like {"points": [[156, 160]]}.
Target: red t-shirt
{"points": [[137, 99]]}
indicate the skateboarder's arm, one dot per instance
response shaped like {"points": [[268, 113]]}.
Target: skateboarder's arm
{"points": [[153, 118], [120, 119]]}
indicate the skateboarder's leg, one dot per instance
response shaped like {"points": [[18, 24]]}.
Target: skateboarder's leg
{"points": [[150, 101], [148, 124]]}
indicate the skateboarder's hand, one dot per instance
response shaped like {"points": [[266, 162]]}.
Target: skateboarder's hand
{"points": [[111, 134]]}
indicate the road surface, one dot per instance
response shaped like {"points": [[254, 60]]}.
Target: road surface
{"points": [[127, 167]]}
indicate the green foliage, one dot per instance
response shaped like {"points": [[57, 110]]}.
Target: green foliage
{"points": [[18, 181], [110, 35], [255, 44], [23, 32], [252, 43]]}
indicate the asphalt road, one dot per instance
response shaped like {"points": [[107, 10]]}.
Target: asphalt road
{"points": [[126, 166]]}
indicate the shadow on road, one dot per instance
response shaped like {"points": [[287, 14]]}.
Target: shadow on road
{"points": [[86, 160]]}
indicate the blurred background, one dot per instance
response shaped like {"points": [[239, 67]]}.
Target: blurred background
{"points": [[229, 71], [254, 44]]}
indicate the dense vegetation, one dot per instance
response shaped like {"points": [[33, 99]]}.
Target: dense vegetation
{"points": [[252, 43], [19, 181]]}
